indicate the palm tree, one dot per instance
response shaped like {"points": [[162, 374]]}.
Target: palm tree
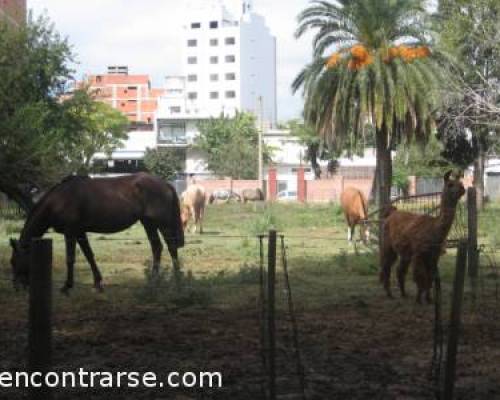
{"points": [[382, 74]]}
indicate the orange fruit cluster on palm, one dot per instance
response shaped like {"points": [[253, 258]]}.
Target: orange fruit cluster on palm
{"points": [[361, 57], [408, 54]]}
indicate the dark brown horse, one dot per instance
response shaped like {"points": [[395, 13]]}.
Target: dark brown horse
{"points": [[79, 205]]}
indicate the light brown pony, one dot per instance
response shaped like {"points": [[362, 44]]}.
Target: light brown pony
{"points": [[418, 240], [355, 207], [194, 199]]}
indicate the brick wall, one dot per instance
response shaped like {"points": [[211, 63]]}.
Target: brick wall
{"points": [[321, 191], [212, 185]]}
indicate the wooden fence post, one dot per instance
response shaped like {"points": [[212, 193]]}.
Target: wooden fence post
{"points": [[455, 321], [271, 323], [40, 314], [472, 249]]}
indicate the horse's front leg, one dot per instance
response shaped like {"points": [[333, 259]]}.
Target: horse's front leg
{"points": [[84, 244], [70, 242]]}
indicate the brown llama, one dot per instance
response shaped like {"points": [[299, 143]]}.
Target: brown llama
{"points": [[418, 240]]}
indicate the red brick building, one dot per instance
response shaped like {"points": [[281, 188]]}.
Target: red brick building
{"points": [[13, 10], [130, 94]]}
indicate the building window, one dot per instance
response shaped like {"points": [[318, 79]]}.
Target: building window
{"points": [[230, 94], [192, 43], [214, 77], [214, 60], [230, 76], [214, 42], [230, 41], [132, 88], [192, 78], [98, 79], [192, 95], [230, 59], [195, 25], [175, 109], [214, 95], [214, 24], [192, 60], [172, 132]]}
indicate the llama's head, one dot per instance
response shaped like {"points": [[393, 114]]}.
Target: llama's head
{"points": [[453, 189]]}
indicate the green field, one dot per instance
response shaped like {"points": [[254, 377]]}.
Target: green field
{"points": [[345, 319]]}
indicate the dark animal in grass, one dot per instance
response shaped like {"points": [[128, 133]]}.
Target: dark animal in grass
{"points": [[79, 205], [418, 240], [252, 195]]}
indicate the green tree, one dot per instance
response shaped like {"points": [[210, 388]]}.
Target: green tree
{"points": [[315, 149], [44, 132], [231, 145], [97, 127], [34, 70], [383, 73], [164, 162], [471, 31], [417, 160]]}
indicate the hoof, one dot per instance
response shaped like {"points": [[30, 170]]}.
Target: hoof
{"points": [[99, 287]]}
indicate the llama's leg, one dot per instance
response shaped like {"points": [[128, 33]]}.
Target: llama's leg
{"points": [[420, 277], [404, 263], [388, 257], [84, 244], [155, 242], [70, 242], [429, 281]]}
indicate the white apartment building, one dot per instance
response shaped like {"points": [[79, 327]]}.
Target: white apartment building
{"points": [[228, 65]]}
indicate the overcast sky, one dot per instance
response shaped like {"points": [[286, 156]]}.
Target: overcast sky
{"points": [[144, 36]]}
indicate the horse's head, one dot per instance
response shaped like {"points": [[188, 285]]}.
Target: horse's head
{"points": [[185, 215], [453, 189], [20, 264]]}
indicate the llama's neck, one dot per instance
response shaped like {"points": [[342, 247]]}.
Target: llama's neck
{"points": [[445, 220]]}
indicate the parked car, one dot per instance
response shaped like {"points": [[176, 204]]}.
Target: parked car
{"points": [[287, 195]]}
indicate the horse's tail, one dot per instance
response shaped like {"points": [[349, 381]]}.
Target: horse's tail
{"points": [[178, 231]]}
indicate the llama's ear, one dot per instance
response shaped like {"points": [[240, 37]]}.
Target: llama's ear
{"points": [[447, 175]]}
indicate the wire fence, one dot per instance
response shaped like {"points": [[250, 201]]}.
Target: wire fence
{"points": [[338, 335]]}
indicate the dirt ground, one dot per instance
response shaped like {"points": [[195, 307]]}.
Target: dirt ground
{"points": [[354, 350]]}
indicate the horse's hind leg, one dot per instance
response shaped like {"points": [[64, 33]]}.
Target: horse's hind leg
{"points": [[172, 248], [155, 242], [84, 244], [70, 242]]}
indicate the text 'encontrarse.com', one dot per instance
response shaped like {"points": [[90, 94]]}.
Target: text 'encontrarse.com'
{"points": [[88, 379]]}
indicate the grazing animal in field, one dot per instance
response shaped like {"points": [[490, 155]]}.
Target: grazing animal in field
{"points": [[252, 195], [223, 196], [194, 199], [418, 240], [80, 204], [355, 207]]}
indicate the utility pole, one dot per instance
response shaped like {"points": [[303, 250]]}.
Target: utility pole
{"points": [[261, 134]]}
